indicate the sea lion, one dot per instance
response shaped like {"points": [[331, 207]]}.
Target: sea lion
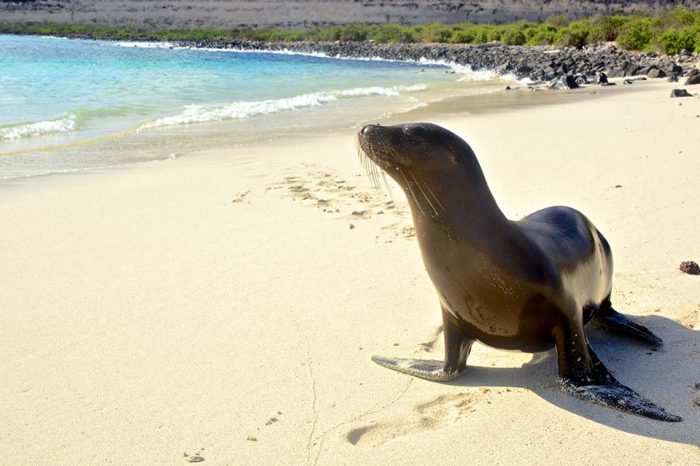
{"points": [[528, 285]]}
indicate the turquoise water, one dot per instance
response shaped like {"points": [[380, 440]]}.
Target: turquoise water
{"points": [[70, 105]]}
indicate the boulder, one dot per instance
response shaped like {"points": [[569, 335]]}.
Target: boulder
{"points": [[564, 81], [693, 77], [680, 93], [656, 73]]}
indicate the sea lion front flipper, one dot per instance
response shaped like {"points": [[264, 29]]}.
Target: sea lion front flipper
{"points": [[600, 387], [609, 318], [424, 369], [457, 348]]}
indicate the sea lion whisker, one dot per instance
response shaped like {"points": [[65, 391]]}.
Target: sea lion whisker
{"points": [[427, 186], [425, 195], [368, 165], [413, 195], [387, 186]]}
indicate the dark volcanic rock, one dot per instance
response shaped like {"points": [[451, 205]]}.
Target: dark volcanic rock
{"points": [[630, 69], [581, 80], [674, 69], [601, 78], [564, 81], [680, 93], [673, 78], [690, 267], [656, 73], [693, 79], [538, 63]]}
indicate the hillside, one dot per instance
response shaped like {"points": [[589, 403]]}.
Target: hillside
{"points": [[304, 13]]}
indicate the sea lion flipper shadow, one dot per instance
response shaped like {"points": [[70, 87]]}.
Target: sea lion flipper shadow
{"points": [[611, 320]]}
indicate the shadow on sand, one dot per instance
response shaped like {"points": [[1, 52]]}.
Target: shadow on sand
{"points": [[669, 376]]}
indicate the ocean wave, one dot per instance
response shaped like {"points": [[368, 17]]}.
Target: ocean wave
{"points": [[39, 128], [245, 109], [145, 44]]}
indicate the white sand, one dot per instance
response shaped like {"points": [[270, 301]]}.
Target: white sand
{"points": [[145, 314]]}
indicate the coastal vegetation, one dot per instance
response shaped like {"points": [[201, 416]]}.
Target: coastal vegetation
{"points": [[669, 33]]}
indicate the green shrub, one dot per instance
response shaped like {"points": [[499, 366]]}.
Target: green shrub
{"points": [[673, 41], [462, 36], [436, 33], [393, 33], [638, 34], [542, 34], [514, 37], [495, 34], [481, 34], [353, 33], [678, 17], [575, 34], [611, 27]]}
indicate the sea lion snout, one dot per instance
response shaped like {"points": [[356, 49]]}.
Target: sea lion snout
{"points": [[382, 144]]}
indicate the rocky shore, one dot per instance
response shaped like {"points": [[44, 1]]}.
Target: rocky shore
{"points": [[538, 63]]}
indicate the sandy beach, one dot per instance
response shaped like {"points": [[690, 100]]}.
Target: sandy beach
{"points": [[223, 306]]}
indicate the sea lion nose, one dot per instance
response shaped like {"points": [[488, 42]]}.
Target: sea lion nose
{"points": [[365, 129]]}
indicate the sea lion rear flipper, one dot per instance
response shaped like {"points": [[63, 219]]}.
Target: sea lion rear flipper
{"points": [[607, 391], [615, 395], [424, 369], [612, 320]]}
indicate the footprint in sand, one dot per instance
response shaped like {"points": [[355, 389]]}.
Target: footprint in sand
{"points": [[195, 458], [443, 411], [321, 188], [240, 197]]}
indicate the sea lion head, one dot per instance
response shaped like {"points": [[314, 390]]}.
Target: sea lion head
{"points": [[411, 150], [435, 168]]}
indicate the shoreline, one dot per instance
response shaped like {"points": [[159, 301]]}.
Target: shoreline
{"points": [[539, 63], [520, 96]]}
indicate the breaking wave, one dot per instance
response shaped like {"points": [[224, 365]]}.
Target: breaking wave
{"points": [[245, 109], [39, 128]]}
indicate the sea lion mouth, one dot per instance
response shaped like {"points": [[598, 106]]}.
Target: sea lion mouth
{"points": [[376, 156], [373, 145], [380, 155]]}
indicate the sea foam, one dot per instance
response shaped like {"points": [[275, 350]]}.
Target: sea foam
{"points": [[39, 128], [245, 109]]}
